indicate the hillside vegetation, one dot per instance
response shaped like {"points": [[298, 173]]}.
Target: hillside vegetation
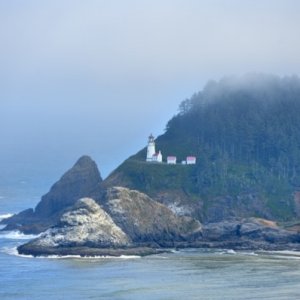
{"points": [[245, 133]]}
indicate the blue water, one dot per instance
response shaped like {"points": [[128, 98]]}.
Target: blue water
{"points": [[189, 274]]}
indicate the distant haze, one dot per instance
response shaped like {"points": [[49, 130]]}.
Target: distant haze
{"points": [[97, 77]]}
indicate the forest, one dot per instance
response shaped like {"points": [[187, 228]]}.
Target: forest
{"points": [[245, 133], [246, 127]]}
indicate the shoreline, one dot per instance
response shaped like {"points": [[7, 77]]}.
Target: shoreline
{"points": [[142, 251]]}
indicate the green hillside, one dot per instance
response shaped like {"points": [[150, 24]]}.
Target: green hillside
{"points": [[245, 133]]}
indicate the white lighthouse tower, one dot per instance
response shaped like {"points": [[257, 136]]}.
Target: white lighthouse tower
{"points": [[150, 148]]}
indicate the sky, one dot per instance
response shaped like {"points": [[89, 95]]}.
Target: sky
{"points": [[97, 77]]}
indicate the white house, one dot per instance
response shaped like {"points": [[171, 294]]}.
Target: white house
{"points": [[157, 157], [171, 160], [191, 160]]}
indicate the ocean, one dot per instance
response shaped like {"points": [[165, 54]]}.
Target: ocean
{"points": [[187, 274]]}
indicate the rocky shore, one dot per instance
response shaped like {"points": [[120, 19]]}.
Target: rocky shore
{"points": [[134, 224], [81, 216], [29, 249]]}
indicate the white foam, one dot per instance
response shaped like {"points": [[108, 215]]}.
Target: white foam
{"points": [[16, 235], [175, 251], [90, 257], [5, 216], [286, 257], [128, 256], [59, 256], [288, 252], [249, 253], [281, 254], [14, 251]]}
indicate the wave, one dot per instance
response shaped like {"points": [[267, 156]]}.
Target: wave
{"points": [[249, 253], [5, 216], [128, 256], [17, 235], [287, 257], [283, 254], [288, 252], [230, 251], [226, 251], [90, 257], [13, 251]]}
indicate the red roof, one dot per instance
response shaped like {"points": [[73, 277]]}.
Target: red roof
{"points": [[190, 158]]}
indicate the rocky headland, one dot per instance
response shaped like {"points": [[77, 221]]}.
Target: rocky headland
{"points": [[243, 192], [81, 215]]}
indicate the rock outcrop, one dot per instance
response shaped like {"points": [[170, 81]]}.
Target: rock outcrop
{"points": [[86, 225], [126, 222], [249, 233], [76, 183], [147, 221]]}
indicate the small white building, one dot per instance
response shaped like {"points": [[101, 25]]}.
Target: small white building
{"points": [[171, 160], [191, 160], [157, 157], [153, 156]]}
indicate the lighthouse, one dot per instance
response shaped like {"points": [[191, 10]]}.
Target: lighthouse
{"points": [[150, 148]]}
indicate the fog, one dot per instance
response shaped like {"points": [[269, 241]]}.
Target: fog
{"points": [[97, 77]]}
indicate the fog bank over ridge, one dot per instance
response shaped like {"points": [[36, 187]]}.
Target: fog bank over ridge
{"points": [[96, 78]]}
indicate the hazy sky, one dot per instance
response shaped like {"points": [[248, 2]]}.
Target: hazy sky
{"points": [[96, 77]]}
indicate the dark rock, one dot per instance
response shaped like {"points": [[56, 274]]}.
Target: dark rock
{"points": [[25, 214], [221, 231], [25, 221], [27, 249], [249, 233], [76, 183], [80, 181]]}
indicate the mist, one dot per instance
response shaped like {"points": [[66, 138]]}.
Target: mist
{"points": [[97, 77]]}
